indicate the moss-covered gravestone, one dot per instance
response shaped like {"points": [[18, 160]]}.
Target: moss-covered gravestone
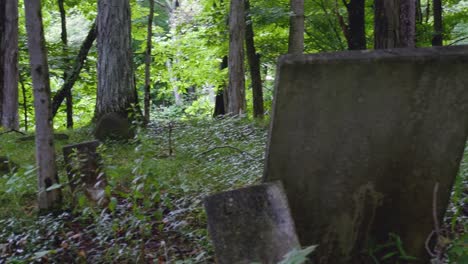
{"points": [[115, 126], [83, 165], [359, 139], [251, 225]]}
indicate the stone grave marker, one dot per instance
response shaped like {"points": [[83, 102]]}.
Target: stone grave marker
{"points": [[359, 140], [251, 224], [83, 165]]}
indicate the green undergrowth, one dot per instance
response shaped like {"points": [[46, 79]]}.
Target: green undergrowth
{"points": [[156, 186], [157, 182]]}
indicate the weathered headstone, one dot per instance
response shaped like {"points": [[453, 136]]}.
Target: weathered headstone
{"points": [[359, 139], [251, 224], [114, 125], [83, 165]]}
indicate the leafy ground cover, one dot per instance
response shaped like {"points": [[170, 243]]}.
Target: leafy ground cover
{"points": [[157, 183]]}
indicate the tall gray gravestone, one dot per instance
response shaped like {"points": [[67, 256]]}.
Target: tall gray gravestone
{"points": [[359, 139]]}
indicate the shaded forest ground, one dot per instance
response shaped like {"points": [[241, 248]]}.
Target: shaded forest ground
{"points": [[157, 182]]}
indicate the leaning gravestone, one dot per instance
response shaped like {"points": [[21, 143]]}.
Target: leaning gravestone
{"points": [[83, 165], [251, 225], [359, 139]]}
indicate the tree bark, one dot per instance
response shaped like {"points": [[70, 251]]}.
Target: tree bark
{"points": [[220, 101], [25, 102], [148, 62], [356, 24], [116, 88], [236, 88], [69, 97], [2, 51], [394, 23], [10, 117], [254, 65], [75, 73], [438, 28], [296, 27], [45, 152]]}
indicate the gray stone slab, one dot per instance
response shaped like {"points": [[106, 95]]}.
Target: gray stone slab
{"points": [[84, 170], [359, 139], [251, 225]]}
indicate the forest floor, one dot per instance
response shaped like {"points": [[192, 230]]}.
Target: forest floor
{"points": [[157, 183]]}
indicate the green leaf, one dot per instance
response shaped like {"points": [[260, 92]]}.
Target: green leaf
{"points": [[54, 187], [298, 256]]}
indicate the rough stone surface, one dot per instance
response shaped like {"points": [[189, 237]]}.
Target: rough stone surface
{"points": [[359, 139], [250, 225], [115, 126], [83, 165]]}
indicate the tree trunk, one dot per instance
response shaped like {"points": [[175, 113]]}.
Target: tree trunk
{"points": [[394, 23], [236, 88], [356, 24], [25, 102], [116, 88], [254, 65], [45, 152], [148, 62], [438, 28], [296, 27], [73, 76], [69, 97], [10, 118], [220, 101], [2, 52], [175, 89]]}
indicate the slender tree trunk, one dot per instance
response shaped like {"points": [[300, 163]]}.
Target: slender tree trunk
{"points": [[2, 52], [236, 88], [10, 118], [220, 101], [148, 62], [75, 73], [69, 97], [45, 152], [254, 65], [356, 24], [394, 23], [116, 89], [419, 14], [438, 28], [173, 79], [296, 27], [408, 23], [25, 103]]}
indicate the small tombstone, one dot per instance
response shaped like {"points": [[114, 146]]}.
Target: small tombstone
{"points": [[82, 163], [251, 224], [359, 139], [114, 125]]}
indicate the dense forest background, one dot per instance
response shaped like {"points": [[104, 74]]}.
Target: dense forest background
{"points": [[190, 39], [178, 153]]}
